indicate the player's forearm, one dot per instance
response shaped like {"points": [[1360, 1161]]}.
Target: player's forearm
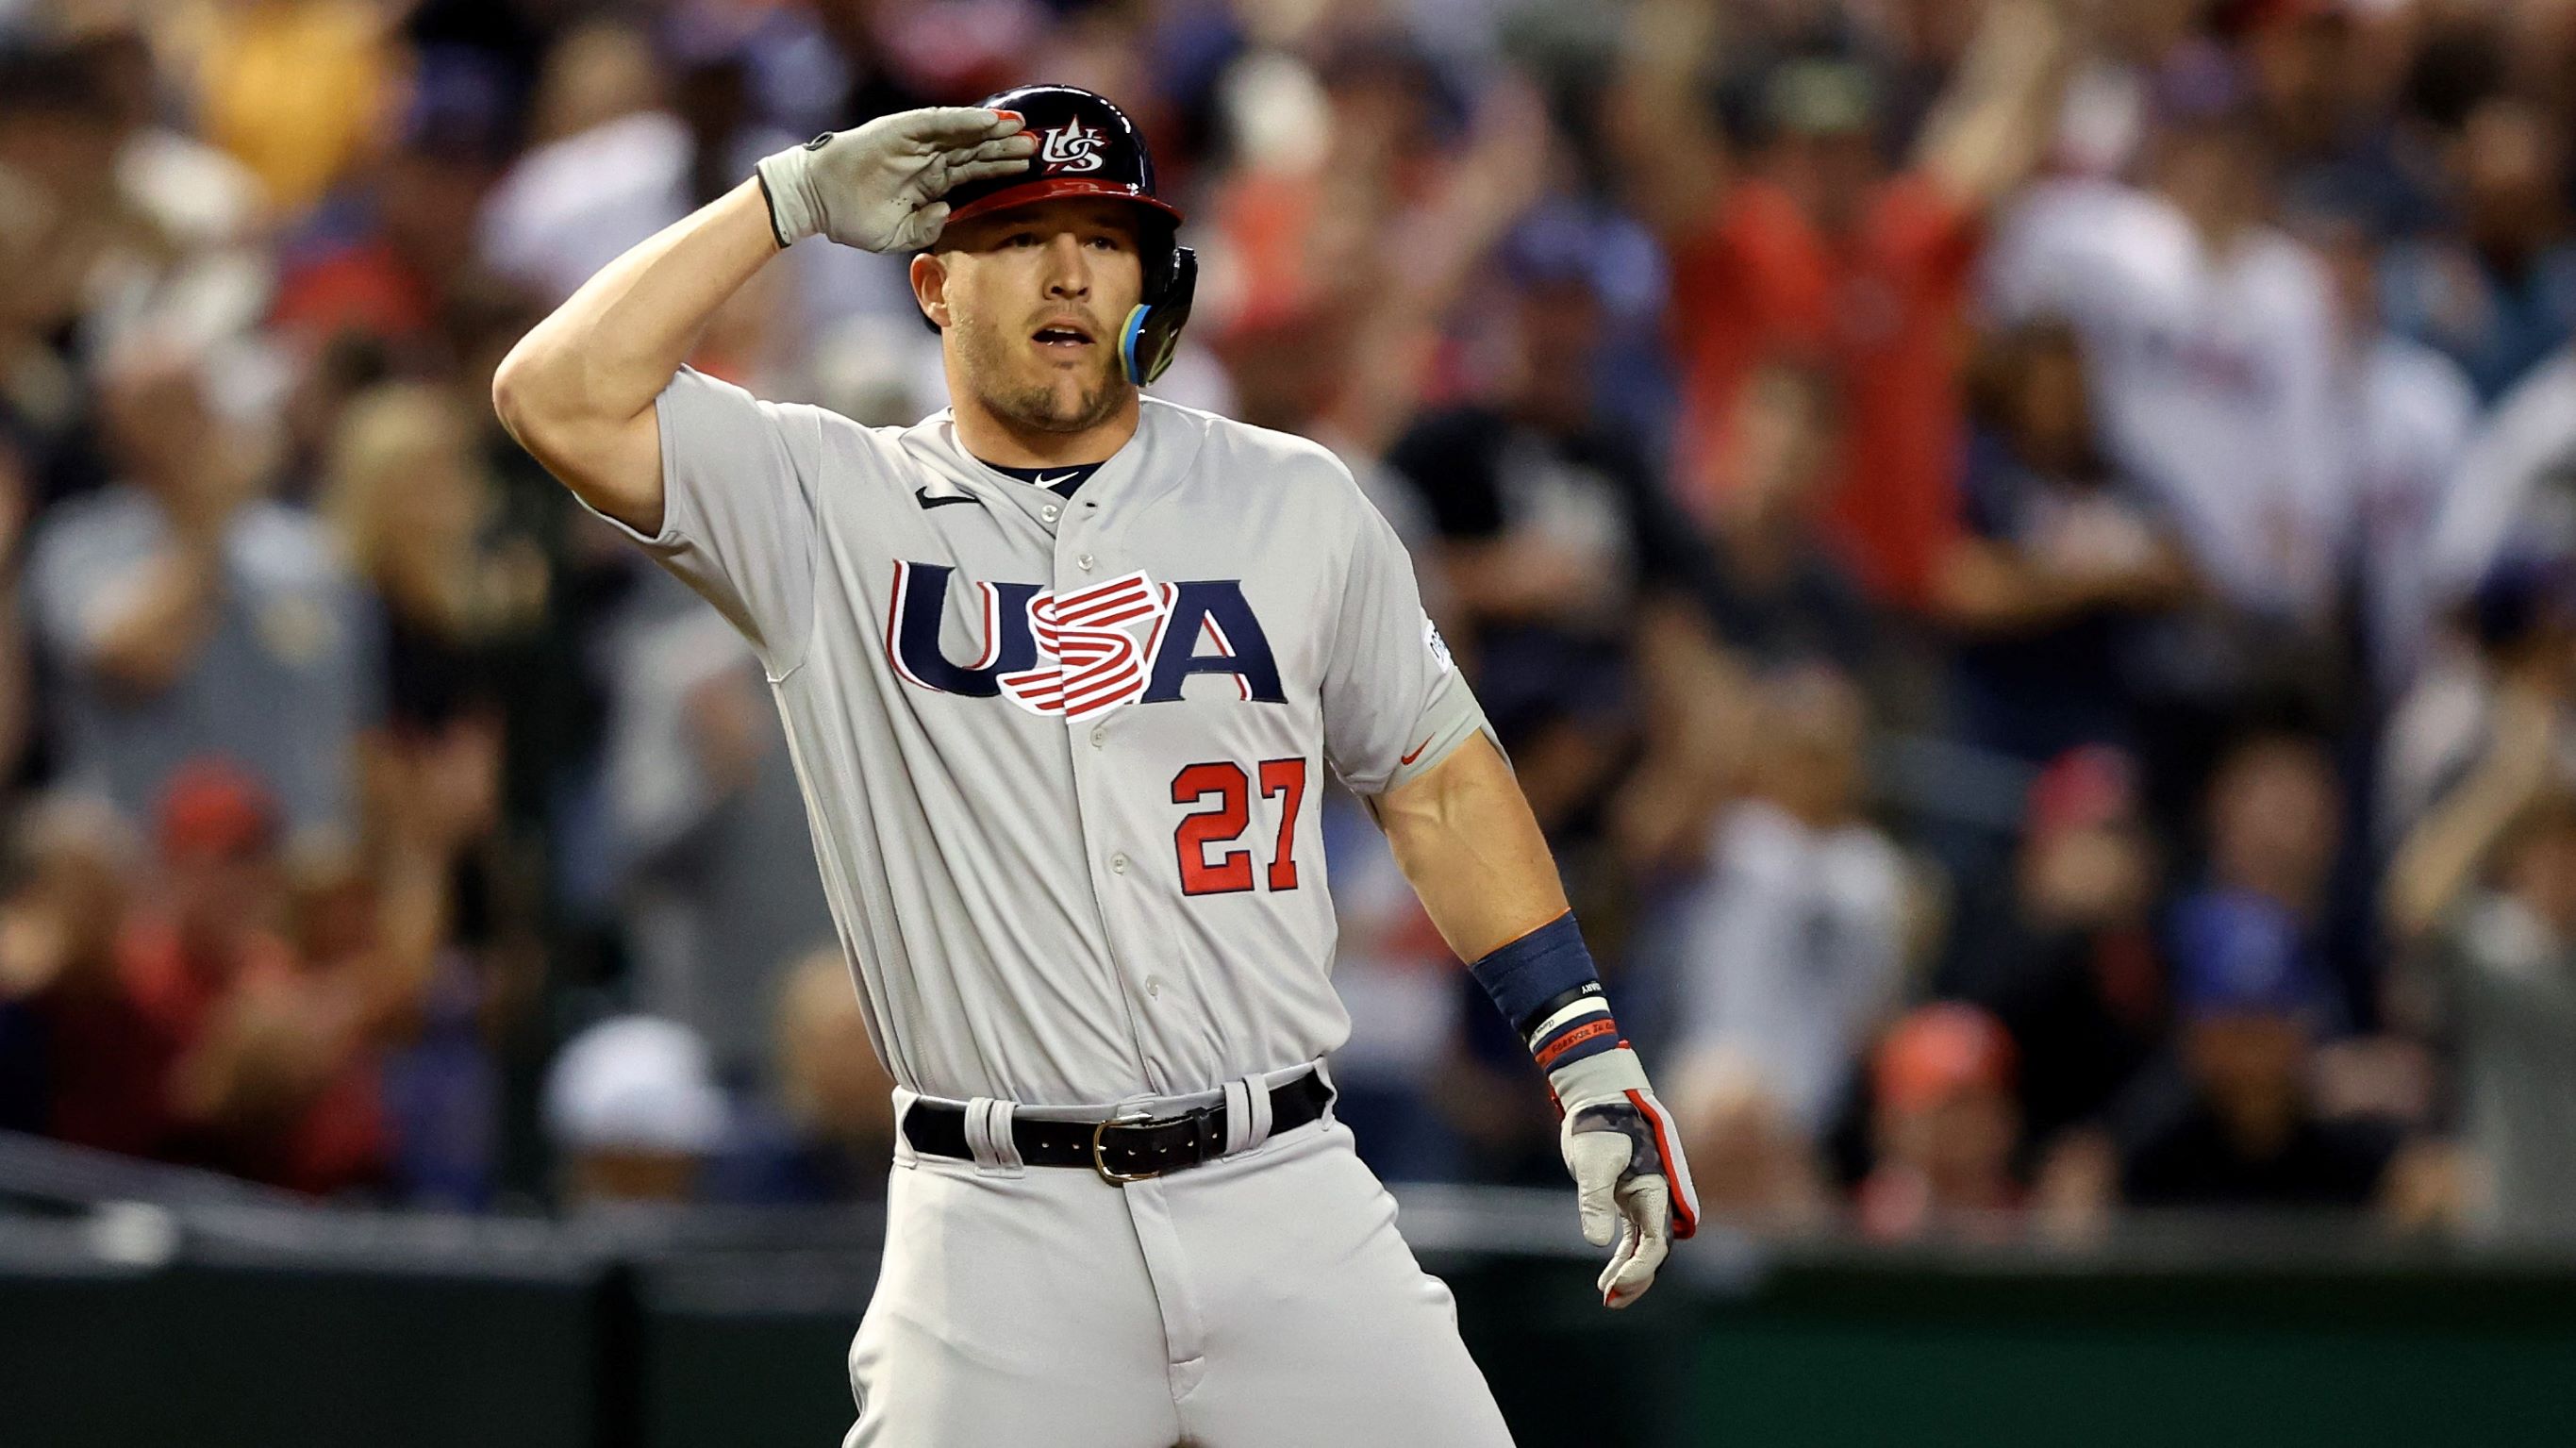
{"points": [[578, 390], [1466, 839]]}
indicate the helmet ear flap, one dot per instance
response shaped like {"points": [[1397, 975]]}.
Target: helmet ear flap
{"points": [[1153, 330]]}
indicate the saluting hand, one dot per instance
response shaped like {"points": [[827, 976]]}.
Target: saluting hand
{"points": [[877, 187]]}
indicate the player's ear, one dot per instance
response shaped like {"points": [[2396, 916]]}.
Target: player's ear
{"points": [[930, 287]]}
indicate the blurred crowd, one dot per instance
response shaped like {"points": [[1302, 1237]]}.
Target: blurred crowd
{"points": [[2024, 553]]}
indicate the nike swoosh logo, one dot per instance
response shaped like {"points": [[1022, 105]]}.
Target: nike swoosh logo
{"points": [[922, 496], [1416, 754], [1047, 482]]}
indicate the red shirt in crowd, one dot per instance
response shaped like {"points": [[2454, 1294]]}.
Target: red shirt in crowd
{"points": [[1882, 311], [114, 1054]]}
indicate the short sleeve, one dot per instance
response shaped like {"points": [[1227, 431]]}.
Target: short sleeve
{"points": [[738, 520], [1394, 702]]}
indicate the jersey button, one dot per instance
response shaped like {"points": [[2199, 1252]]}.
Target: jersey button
{"points": [[1049, 512], [1153, 985], [1118, 864], [1083, 563], [1099, 735]]}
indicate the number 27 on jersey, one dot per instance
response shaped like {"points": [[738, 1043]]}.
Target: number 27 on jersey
{"points": [[1207, 840]]}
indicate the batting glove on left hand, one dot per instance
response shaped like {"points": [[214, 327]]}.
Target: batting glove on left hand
{"points": [[878, 187], [1629, 1176]]}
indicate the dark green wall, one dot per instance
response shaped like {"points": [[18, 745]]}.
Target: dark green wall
{"points": [[1815, 1353]]}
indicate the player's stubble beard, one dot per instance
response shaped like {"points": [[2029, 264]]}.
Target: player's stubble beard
{"points": [[1043, 404]]}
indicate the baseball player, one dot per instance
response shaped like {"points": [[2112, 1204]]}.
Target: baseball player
{"points": [[1062, 668]]}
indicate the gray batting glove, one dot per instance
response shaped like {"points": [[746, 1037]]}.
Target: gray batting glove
{"points": [[878, 187], [1629, 1176]]}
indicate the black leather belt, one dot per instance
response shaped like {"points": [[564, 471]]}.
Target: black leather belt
{"points": [[1122, 1148]]}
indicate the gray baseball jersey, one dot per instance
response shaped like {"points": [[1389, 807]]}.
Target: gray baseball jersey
{"points": [[1061, 756]]}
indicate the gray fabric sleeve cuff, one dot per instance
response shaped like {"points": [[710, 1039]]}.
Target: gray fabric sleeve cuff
{"points": [[1452, 718]]}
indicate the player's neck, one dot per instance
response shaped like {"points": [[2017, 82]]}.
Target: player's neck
{"points": [[994, 439]]}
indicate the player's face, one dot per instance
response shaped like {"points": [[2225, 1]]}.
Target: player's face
{"points": [[1036, 297]]}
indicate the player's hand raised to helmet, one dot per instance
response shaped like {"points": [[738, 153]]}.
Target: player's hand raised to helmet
{"points": [[877, 187]]}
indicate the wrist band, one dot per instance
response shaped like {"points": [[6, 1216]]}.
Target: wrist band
{"points": [[1527, 975], [1546, 986]]}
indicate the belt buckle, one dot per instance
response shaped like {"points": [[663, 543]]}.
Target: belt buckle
{"points": [[1100, 1164]]}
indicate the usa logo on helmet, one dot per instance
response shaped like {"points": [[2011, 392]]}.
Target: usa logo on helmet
{"points": [[1071, 147]]}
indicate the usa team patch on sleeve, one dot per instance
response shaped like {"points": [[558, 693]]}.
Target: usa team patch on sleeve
{"points": [[1438, 646]]}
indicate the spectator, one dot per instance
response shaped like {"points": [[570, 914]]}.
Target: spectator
{"points": [[1555, 538], [2411, 412], [82, 1064], [2058, 562], [569, 207], [1779, 595], [1401, 986], [2517, 655], [1810, 249], [384, 921], [823, 1130], [1945, 1124], [2498, 982], [633, 1112], [192, 271], [2210, 336], [2330, 76], [1327, 333], [183, 614], [414, 516], [263, 1065], [2069, 963], [294, 88], [2499, 294], [58, 227], [2232, 1125], [719, 876], [2513, 494], [1795, 942], [2275, 822], [1763, 1174], [387, 255]]}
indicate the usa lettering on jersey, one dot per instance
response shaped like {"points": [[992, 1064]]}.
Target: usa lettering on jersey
{"points": [[1125, 641]]}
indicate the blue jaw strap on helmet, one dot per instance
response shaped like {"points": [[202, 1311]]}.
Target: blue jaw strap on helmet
{"points": [[1153, 330]]}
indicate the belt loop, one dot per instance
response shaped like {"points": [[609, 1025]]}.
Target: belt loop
{"points": [[1238, 1117], [1332, 1093], [904, 1155], [1254, 1093], [1006, 1149], [988, 1137]]}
